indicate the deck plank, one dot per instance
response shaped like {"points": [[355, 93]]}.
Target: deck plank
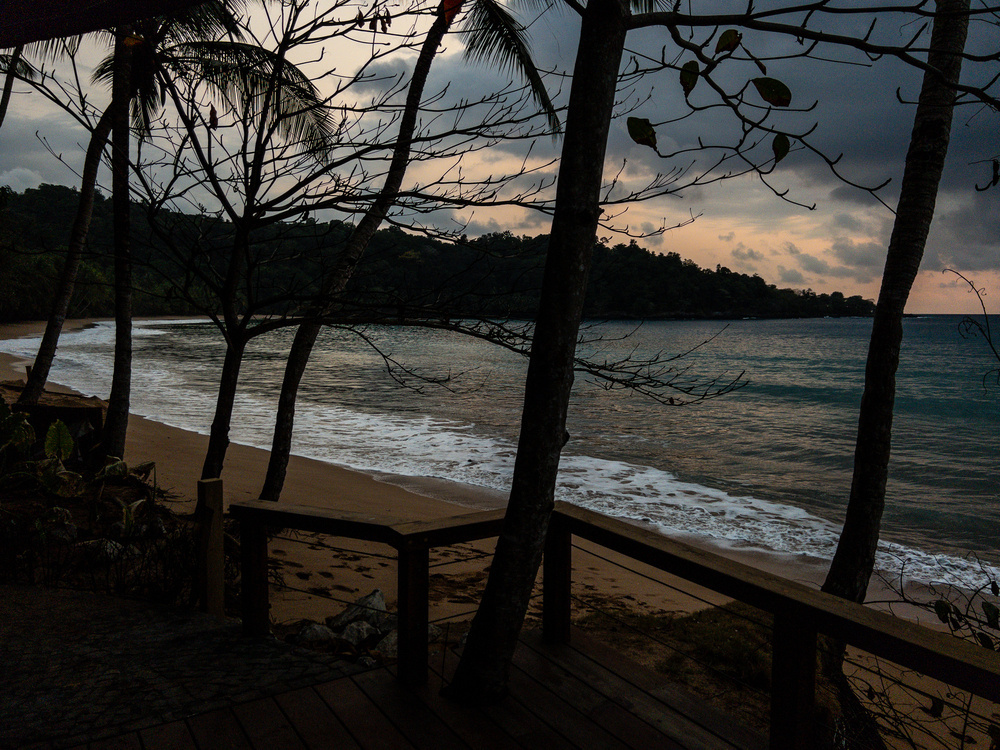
{"points": [[314, 722], [125, 742], [408, 713], [686, 719], [367, 724], [474, 727], [266, 726], [523, 726], [172, 736], [218, 730], [576, 726], [602, 709]]}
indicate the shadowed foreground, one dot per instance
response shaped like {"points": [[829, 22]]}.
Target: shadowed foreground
{"points": [[92, 671]]}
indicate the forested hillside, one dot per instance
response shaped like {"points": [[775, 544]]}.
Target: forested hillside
{"points": [[402, 274]]}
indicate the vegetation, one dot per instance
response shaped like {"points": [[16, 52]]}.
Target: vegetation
{"points": [[65, 520], [497, 274]]}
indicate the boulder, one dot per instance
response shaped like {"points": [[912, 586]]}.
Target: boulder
{"points": [[314, 633], [359, 631], [370, 608]]}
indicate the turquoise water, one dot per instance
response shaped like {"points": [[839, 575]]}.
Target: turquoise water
{"points": [[767, 467]]}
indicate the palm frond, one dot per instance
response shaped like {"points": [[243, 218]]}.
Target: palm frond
{"points": [[21, 68], [650, 6], [493, 36], [246, 73]]}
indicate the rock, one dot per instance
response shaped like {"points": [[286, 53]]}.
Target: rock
{"points": [[358, 632], [388, 647], [313, 633], [369, 608]]}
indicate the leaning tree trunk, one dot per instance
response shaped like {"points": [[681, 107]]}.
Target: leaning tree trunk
{"points": [[340, 274], [482, 673], [67, 277], [116, 426], [8, 84], [218, 438], [854, 560]]}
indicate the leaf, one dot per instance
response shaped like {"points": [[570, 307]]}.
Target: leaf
{"points": [[773, 91], [451, 8], [641, 131], [58, 441], [994, 588], [729, 41], [115, 467], [984, 640], [689, 76], [942, 609], [780, 146], [992, 613]]}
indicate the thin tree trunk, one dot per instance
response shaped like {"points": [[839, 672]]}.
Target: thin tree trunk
{"points": [[854, 560], [8, 84], [67, 277], [340, 274], [116, 427], [218, 439], [482, 673]]}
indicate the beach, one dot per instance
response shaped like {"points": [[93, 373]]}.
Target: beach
{"points": [[349, 569]]}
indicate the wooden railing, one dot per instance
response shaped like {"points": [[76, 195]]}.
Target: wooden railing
{"points": [[800, 613], [412, 541]]}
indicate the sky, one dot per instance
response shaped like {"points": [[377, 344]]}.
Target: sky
{"points": [[739, 223]]}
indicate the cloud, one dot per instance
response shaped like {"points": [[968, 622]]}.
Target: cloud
{"points": [[867, 256], [745, 257], [790, 276], [20, 179], [727, 237], [812, 264]]}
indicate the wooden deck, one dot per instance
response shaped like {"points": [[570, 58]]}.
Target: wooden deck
{"points": [[579, 695]]}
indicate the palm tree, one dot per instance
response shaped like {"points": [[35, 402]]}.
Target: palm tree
{"points": [[210, 19], [492, 35], [204, 44], [14, 68]]}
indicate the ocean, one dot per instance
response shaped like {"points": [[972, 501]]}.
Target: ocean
{"points": [[766, 468]]}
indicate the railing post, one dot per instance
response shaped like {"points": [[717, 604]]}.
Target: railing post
{"points": [[413, 578], [557, 579], [253, 575], [793, 681], [211, 562]]}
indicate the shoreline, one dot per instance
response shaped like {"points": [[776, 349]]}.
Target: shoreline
{"points": [[178, 455]]}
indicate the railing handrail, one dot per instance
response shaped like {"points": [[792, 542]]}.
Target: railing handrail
{"points": [[372, 528], [800, 613], [936, 654]]}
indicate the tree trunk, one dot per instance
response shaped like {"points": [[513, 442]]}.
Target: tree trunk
{"points": [[218, 439], [340, 274], [8, 84], [67, 277], [482, 673], [855, 557], [116, 426]]}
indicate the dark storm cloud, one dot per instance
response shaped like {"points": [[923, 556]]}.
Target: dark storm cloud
{"points": [[966, 232], [790, 276]]}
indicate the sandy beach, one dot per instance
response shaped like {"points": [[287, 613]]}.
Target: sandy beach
{"points": [[347, 569]]}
